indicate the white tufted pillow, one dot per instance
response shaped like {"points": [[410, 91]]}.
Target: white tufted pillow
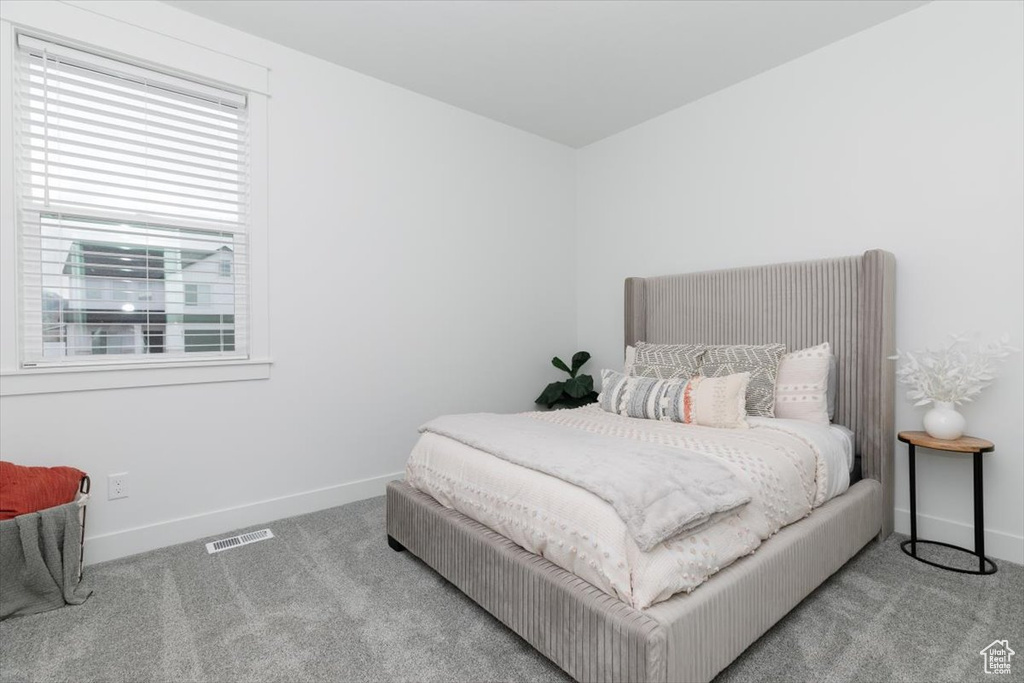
{"points": [[801, 387]]}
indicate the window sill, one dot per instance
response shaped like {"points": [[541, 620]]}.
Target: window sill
{"points": [[59, 380]]}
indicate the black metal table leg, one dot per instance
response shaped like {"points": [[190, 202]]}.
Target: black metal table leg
{"points": [[913, 503], [979, 514]]}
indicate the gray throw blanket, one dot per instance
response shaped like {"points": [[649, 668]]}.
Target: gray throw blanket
{"points": [[658, 491], [39, 561]]}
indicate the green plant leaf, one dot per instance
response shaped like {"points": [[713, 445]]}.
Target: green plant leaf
{"points": [[579, 359], [577, 388], [558, 363], [551, 394], [587, 381]]}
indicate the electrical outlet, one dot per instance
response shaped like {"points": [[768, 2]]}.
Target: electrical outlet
{"points": [[117, 486]]}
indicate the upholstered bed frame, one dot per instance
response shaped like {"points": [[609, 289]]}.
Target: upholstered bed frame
{"points": [[595, 637]]}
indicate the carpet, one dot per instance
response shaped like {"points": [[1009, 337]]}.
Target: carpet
{"points": [[327, 600]]}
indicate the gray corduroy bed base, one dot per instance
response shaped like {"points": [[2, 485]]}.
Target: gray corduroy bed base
{"points": [[595, 637]]}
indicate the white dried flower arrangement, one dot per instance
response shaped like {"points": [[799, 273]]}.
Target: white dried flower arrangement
{"points": [[955, 373]]}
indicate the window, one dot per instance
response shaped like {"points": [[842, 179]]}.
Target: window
{"points": [[197, 295], [132, 208]]}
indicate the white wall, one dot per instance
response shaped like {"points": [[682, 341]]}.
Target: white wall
{"points": [[420, 263], [906, 137]]}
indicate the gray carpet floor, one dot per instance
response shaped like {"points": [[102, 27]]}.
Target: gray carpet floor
{"points": [[326, 600]]}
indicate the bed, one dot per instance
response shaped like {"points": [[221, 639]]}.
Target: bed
{"points": [[595, 636]]}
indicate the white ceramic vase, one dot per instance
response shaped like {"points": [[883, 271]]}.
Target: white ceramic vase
{"points": [[943, 421]]}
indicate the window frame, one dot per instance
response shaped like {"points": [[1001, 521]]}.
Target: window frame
{"points": [[82, 29]]}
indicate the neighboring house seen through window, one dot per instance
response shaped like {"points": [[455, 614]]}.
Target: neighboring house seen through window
{"points": [[133, 210]]}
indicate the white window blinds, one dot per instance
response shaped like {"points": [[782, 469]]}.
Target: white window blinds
{"points": [[133, 211]]}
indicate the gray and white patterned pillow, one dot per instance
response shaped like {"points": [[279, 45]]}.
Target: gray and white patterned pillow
{"points": [[706, 401], [667, 361], [762, 362], [644, 397]]}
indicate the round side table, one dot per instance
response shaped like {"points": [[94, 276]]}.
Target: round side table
{"points": [[966, 445]]}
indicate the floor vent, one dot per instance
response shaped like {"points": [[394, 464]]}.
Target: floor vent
{"points": [[239, 541]]}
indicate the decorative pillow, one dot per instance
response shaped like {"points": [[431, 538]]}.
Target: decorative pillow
{"points": [[762, 362], [719, 401], [666, 361], [30, 489], [801, 388], [705, 401]]}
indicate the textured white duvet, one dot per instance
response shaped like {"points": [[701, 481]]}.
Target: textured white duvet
{"points": [[788, 466]]}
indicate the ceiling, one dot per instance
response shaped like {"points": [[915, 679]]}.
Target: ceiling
{"points": [[573, 71]]}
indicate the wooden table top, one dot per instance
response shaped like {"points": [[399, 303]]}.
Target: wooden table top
{"points": [[965, 444]]}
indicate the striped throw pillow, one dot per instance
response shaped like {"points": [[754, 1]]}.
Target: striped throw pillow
{"points": [[705, 401]]}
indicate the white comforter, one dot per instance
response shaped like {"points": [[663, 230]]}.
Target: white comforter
{"points": [[789, 468]]}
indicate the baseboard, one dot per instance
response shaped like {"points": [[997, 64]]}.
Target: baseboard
{"points": [[140, 539], [998, 544]]}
